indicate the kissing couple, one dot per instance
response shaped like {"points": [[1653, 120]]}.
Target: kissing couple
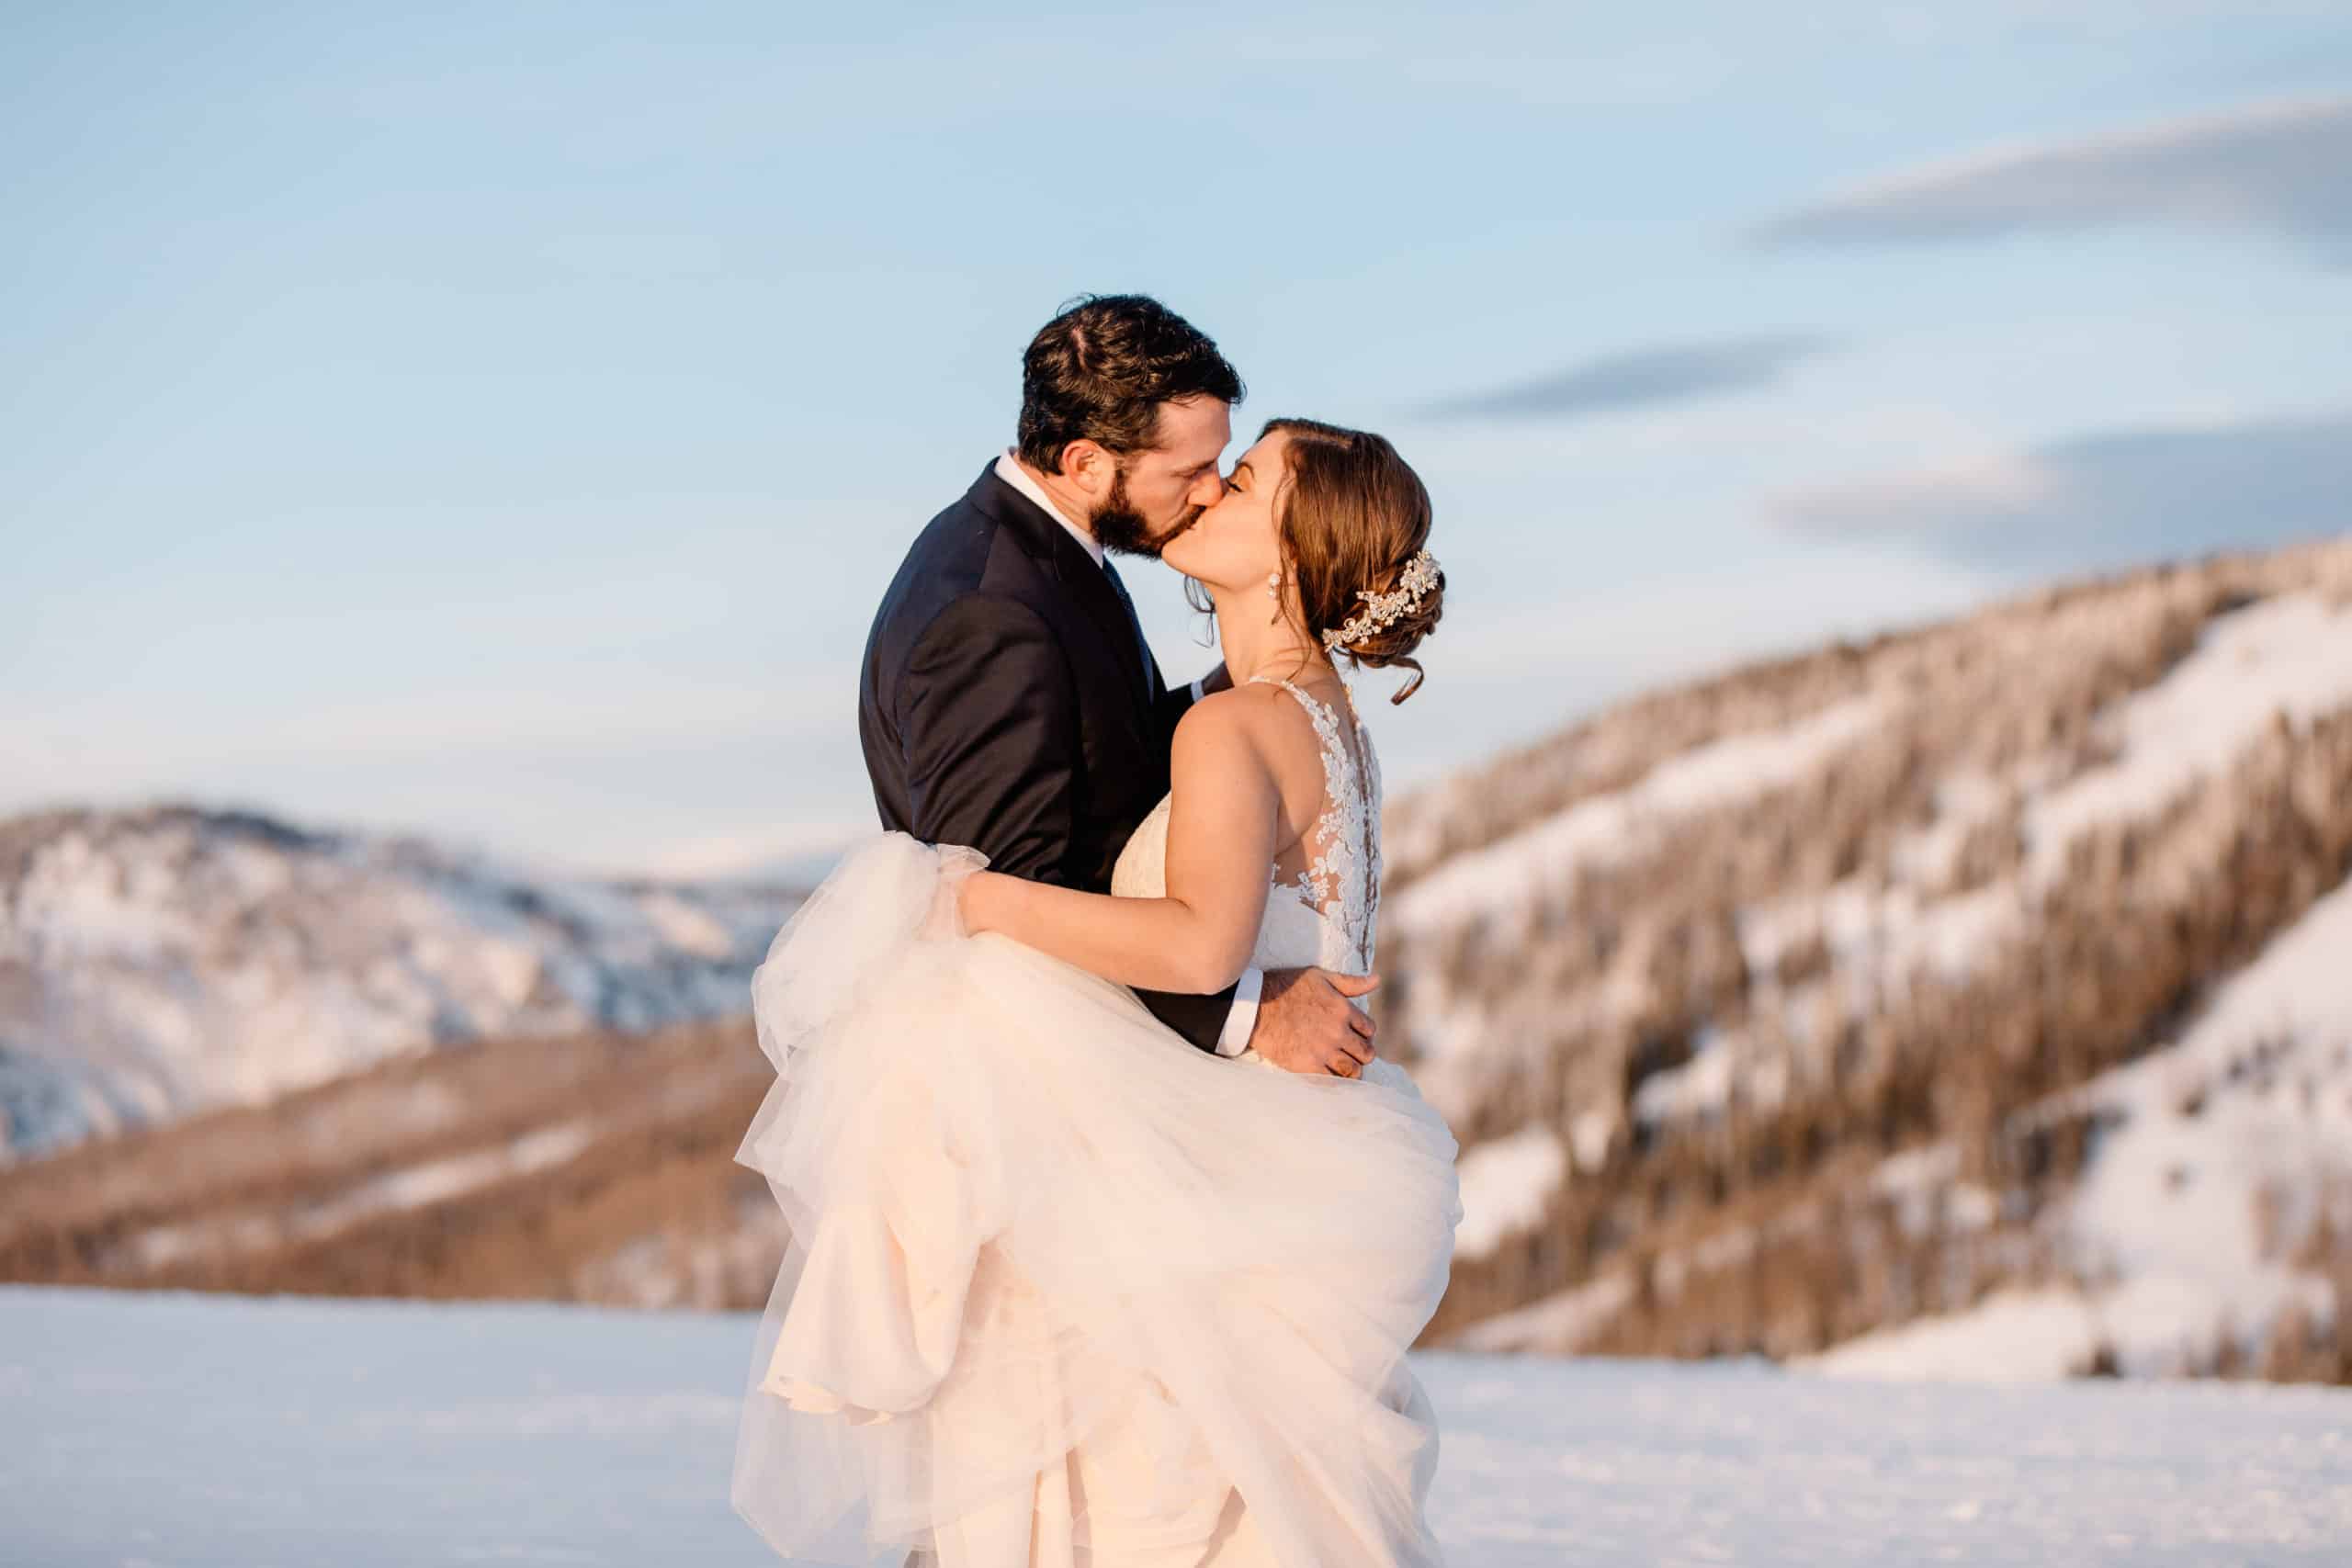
{"points": [[1109, 1227]]}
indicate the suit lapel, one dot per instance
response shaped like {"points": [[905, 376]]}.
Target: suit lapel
{"points": [[1044, 537]]}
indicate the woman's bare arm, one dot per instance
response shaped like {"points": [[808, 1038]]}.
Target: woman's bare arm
{"points": [[1221, 842]]}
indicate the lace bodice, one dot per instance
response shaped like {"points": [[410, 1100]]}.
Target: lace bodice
{"points": [[1324, 916]]}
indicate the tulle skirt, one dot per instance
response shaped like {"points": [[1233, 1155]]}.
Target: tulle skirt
{"points": [[1062, 1288]]}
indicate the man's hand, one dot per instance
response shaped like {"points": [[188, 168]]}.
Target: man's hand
{"points": [[1305, 1023]]}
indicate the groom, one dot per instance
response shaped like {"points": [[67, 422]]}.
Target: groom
{"points": [[1008, 700]]}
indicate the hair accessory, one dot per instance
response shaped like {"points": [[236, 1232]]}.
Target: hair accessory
{"points": [[1383, 609]]}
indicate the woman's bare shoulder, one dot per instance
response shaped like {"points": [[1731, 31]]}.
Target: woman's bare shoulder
{"points": [[1262, 722], [1240, 715]]}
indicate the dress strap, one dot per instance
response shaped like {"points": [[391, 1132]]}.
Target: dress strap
{"points": [[1312, 701], [1325, 716], [1292, 689]]}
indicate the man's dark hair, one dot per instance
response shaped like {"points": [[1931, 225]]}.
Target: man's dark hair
{"points": [[1100, 370]]}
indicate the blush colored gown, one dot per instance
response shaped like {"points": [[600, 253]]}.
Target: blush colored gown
{"points": [[1062, 1290]]}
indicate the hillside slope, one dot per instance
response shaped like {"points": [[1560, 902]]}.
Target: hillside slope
{"points": [[1976, 1002], [169, 958], [1998, 965], [592, 1166]]}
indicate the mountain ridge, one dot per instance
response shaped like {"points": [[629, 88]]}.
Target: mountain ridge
{"points": [[160, 959], [1735, 949], [1960, 1002]]}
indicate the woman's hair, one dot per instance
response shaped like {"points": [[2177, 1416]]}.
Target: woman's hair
{"points": [[1353, 515], [1100, 370]]}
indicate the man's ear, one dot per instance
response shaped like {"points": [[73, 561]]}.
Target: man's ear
{"points": [[1089, 465]]}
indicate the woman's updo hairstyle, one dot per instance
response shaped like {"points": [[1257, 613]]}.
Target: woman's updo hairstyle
{"points": [[1353, 516]]}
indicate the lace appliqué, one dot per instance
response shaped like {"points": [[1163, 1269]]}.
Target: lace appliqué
{"points": [[1342, 880]]}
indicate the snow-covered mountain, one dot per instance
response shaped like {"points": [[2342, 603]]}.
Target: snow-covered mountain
{"points": [[1977, 999], [1972, 1001], [159, 961]]}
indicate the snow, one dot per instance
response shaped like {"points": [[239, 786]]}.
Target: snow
{"points": [[2251, 1106], [2291, 654], [1506, 1182], [177, 959], [1558, 1321], [2253, 1101], [1519, 870], [1930, 855], [2019, 1335], [2294, 991], [1701, 1085], [1879, 936], [1924, 1184], [1455, 1032], [231, 1432], [688, 928], [413, 1187], [1884, 929], [1590, 1133], [439, 1180]]}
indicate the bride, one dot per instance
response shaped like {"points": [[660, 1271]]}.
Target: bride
{"points": [[1062, 1288]]}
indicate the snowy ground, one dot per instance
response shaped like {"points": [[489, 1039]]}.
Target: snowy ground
{"points": [[170, 1428]]}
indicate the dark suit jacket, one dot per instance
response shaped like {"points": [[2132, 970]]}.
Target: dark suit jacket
{"points": [[1006, 703]]}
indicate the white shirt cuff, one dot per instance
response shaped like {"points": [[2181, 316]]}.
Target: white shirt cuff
{"points": [[1196, 697], [1243, 1018]]}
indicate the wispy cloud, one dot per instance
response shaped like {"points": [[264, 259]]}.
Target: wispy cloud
{"points": [[2278, 167], [1668, 373], [2105, 500]]}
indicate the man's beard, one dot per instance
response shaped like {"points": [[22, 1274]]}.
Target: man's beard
{"points": [[1120, 528]]}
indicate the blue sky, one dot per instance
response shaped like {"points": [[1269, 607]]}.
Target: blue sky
{"points": [[500, 421]]}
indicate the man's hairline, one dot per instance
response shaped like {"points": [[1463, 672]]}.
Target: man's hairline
{"points": [[1124, 458]]}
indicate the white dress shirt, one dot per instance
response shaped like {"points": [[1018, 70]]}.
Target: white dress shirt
{"points": [[1244, 1016]]}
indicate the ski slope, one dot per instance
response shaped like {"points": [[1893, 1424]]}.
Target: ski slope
{"points": [[233, 1432]]}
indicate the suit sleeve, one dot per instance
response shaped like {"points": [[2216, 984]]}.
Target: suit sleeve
{"points": [[1168, 708], [988, 719], [1201, 1020]]}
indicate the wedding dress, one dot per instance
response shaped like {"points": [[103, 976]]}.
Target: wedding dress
{"points": [[1063, 1290]]}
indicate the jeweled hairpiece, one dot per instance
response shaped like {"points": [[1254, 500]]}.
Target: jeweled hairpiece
{"points": [[1381, 610]]}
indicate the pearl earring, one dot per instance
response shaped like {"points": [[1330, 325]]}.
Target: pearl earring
{"points": [[1274, 586]]}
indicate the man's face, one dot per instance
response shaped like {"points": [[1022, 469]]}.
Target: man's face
{"points": [[1155, 494]]}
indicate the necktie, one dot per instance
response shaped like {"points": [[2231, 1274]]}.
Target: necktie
{"points": [[1135, 624]]}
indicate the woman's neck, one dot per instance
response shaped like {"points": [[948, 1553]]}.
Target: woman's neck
{"points": [[1257, 642]]}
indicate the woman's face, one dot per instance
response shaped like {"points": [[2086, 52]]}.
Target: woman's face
{"points": [[1237, 542]]}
